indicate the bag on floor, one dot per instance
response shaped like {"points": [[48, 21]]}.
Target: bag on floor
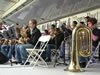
{"points": [[3, 58]]}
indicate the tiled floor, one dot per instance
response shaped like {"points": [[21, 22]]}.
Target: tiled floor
{"points": [[58, 70]]}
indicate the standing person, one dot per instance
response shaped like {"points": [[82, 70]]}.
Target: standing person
{"points": [[33, 35]]}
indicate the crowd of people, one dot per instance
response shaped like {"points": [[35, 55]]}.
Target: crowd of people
{"points": [[29, 35]]}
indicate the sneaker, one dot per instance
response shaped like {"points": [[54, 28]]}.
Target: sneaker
{"points": [[16, 62], [83, 65]]}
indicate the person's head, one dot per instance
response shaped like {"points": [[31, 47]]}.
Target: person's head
{"points": [[17, 30], [46, 32], [74, 24], [57, 31], [25, 28], [53, 26], [32, 23], [87, 18], [52, 31], [0, 25], [92, 23], [82, 23]]}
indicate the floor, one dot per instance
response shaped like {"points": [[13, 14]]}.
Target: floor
{"points": [[6, 69]]}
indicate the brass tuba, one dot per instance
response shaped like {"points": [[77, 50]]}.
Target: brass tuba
{"points": [[81, 46]]}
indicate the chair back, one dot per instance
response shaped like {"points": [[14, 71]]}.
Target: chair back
{"points": [[45, 38]]}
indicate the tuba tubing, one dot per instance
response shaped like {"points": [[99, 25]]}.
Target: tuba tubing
{"points": [[81, 46]]}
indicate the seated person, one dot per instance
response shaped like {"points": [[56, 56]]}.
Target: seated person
{"points": [[95, 32], [86, 20], [54, 43], [33, 35], [66, 30], [95, 39], [8, 48]]}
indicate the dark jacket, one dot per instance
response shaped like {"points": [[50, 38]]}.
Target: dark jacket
{"points": [[58, 40], [96, 32], [34, 36]]}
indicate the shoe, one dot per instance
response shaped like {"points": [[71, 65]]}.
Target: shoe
{"points": [[48, 60], [16, 62], [26, 63], [83, 65]]}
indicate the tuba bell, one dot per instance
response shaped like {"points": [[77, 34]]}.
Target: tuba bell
{"points": [[81, 46]]}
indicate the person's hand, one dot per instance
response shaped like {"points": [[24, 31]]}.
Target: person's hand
{"points": [[26, 39], [52, 37], [94, 37]]}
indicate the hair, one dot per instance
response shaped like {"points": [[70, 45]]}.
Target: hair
{"points": [[46, 31], [82, 22], [75, 22], [53, 26], [34, 21], [25, 27], [87, 17], [93, 20], [17, 30], [58, 30]]}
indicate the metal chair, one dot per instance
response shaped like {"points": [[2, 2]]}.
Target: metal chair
{"points": [[92, 56], [35, 54]]}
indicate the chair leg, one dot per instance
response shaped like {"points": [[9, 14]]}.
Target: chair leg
{"points": [[39, 57], [91, 57], [27, 59]]}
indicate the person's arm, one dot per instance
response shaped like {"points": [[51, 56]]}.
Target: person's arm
{"points": [[35, 38]]}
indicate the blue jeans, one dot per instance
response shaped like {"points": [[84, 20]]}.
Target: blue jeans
{"points": [[48, 50], [62, 49], [20, 52], [8, 50]]}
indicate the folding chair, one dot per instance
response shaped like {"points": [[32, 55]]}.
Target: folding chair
{"points": [[92, 56], [56, 53], [35, 54]]}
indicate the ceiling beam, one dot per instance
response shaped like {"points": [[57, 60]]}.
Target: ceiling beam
{"points": [[12, 1]]}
